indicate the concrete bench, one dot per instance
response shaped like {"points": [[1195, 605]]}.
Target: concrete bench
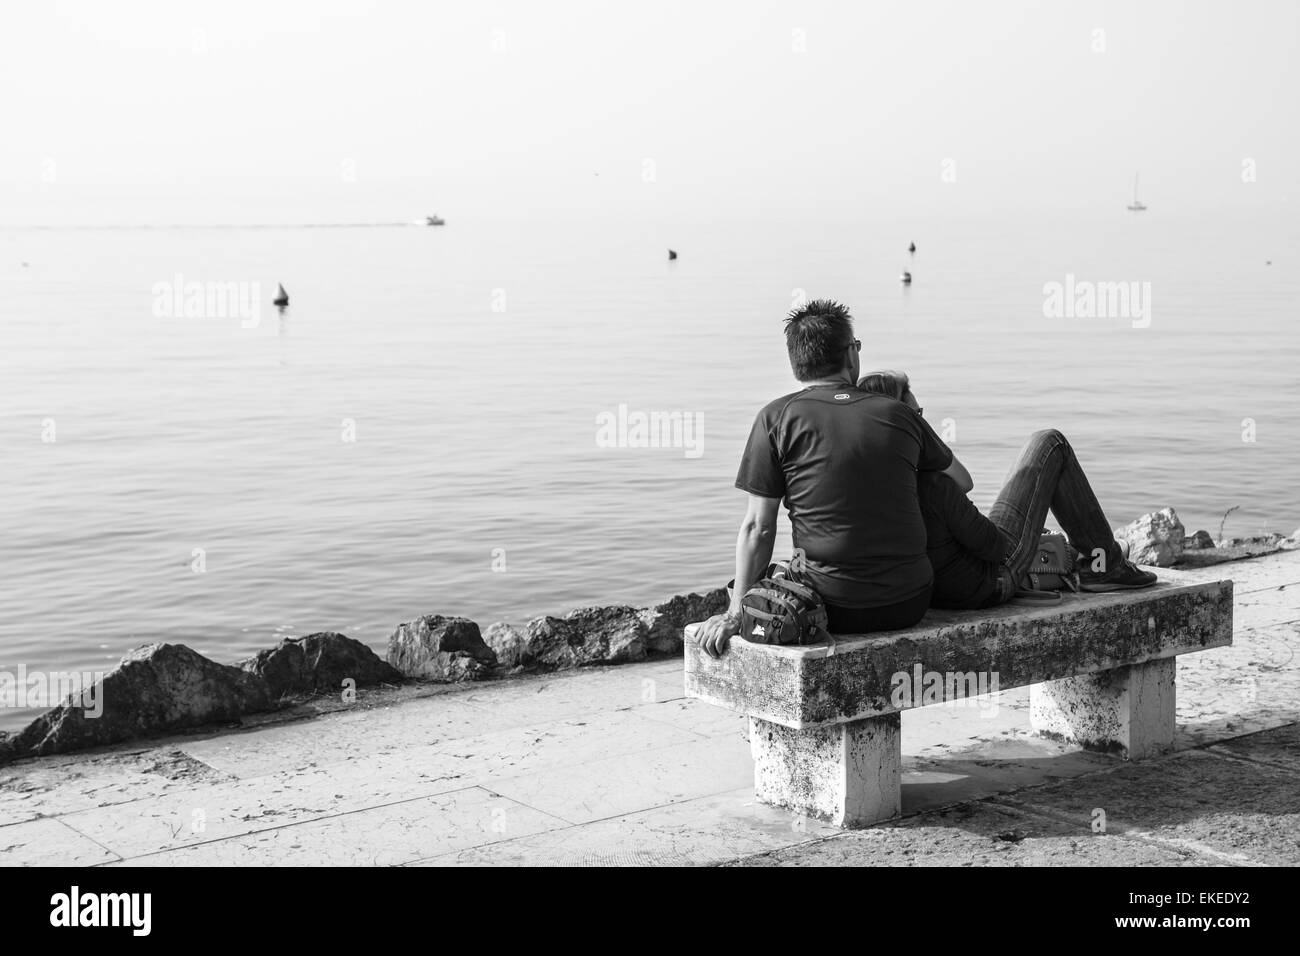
{"points": [[824, 720]]}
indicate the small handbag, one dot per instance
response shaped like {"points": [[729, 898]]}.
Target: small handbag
{"points": [[1052, 567]]}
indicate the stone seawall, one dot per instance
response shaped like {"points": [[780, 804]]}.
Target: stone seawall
{"points": [[163, 688]]}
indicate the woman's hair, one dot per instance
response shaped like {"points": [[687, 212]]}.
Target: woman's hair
{"points": [[893, 384]]}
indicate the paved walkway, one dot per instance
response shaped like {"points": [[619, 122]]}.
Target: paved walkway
{"points": [[615, 766]]}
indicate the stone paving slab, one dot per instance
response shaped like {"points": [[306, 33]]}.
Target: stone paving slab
{"points": [[1253, 685], [345, 736], [1250, 576], [692, 833], [52, 786], [977, 834], [1282, 596], [1009, 762], [49, 842], [575, 694], [427, 721], [1261, 614], [1278, 748], [620, 785], [260, 803], [1236, 811], [695, 716], [380, 836]]}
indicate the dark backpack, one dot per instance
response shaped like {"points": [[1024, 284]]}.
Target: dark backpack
{"points": [[778, 610]]}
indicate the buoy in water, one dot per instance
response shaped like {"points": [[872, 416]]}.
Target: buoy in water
{"points": [[282, 298], [671, 255], [905, 278]]}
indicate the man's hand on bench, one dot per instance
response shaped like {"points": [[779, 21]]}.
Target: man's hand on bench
{"points": [[715, 633]]}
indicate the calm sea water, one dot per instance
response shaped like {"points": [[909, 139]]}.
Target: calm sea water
{"points": [[473, 362]]}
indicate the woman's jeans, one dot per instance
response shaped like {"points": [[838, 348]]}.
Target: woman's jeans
{"points": [[1047, 475]]}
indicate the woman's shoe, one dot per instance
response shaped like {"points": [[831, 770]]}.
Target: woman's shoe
{"points": [[1122, 578]]}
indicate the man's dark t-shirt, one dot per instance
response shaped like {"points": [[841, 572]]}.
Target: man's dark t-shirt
{"points": [[965, 547], [845, 460]]}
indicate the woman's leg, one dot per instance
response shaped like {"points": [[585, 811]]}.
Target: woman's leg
{"points": [[1047, 475]]}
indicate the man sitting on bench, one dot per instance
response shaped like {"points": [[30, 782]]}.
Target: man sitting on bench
{"points": [[846, 461]]}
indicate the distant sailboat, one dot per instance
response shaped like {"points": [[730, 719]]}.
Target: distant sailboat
{"points": [[1136, 205], [671, 255], [911, 247], [281, 299]]}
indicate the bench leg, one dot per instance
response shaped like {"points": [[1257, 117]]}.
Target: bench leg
{"points": [[848, 774], [1128, 710]]}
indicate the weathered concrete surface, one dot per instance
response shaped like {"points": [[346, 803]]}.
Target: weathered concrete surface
{"points": [[54, 786], [979, 834], [49, 843], [803, 687], [707, 830], [1129, 710], [615, 766], [1221, 808], [846, 774]]}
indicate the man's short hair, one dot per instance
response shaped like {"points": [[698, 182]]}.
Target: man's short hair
{"points": [[816, 337]]}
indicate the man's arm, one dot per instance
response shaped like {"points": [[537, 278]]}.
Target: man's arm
{"points": [[753, 554]]}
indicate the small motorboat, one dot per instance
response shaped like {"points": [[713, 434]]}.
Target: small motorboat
{"points": [[671, 255], [435, 221], [281, 299], [911, 247], [905, 278]]}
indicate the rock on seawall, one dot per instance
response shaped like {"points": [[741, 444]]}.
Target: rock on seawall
{"points": [[666, 621], [440, 648], [1154, 539], [318, 662], [161, 688], [589, 635], [602, 635], [507, 642], [155, 688]]}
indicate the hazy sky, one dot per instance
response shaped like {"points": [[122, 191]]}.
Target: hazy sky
{"points": [[514, 108]]}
